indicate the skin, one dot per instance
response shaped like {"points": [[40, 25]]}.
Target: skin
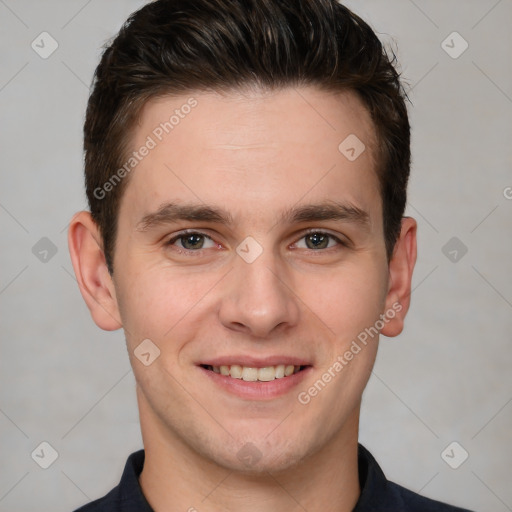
{"points": [[254, 153]]}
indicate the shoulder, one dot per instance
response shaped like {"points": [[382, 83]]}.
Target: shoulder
{"points": [[114, 502], [108, 503], [413, 502], [127, 496], [378, 494]]}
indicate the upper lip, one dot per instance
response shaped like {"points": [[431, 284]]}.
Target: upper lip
{"points": [[255, 362]]}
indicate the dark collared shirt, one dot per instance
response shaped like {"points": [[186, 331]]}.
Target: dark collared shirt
{"points": [[377, 493]]}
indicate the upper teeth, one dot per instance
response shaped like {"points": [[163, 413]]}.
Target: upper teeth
{"points": [[253, 374]]}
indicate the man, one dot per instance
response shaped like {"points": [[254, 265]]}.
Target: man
{"points": [[246, 167]]}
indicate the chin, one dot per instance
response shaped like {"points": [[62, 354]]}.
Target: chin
{"points": [[262, 463], [262, 455]]}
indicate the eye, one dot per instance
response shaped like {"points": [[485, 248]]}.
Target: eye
{"points": [[191, 241], [319, 240]]}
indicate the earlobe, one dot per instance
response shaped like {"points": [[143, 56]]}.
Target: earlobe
{"points": [[94, 280], [401, 268]]}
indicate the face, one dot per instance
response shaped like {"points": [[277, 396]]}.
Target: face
{"points": [[248, 242]]}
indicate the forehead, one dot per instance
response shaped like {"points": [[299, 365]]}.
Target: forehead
{"points": [[253, 152]]}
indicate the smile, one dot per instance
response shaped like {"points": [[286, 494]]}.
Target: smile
{"points": [[252, 374]]}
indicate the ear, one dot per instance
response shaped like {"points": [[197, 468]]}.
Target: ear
{"points": [[96, 285], [401, 267]]}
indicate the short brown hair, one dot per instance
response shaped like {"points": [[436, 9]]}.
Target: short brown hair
{"points": [[177, 46]]}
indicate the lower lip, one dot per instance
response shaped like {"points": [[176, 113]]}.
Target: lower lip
{"points": [[257, 390]]}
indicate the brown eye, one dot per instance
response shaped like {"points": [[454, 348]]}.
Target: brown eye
{"points": [[316, 240], [191, 241]]}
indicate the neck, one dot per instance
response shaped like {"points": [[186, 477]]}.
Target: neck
{"points": [[176, 477]]}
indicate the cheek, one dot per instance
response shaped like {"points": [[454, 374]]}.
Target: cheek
{"points": [[155, 301], [348, 299], [350, 305]]}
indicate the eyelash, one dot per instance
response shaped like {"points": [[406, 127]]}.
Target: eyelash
{"points": [[190, 252]]}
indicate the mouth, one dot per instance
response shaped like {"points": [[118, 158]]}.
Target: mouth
{"points": [[256, 378], [256, 374]]}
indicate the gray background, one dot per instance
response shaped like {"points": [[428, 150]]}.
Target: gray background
{"points": [[446, 378]]}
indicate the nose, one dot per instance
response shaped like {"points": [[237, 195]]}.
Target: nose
{"points": [[258, 299]]}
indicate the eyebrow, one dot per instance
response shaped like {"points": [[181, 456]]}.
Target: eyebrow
{"points": [[170, 213]]}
